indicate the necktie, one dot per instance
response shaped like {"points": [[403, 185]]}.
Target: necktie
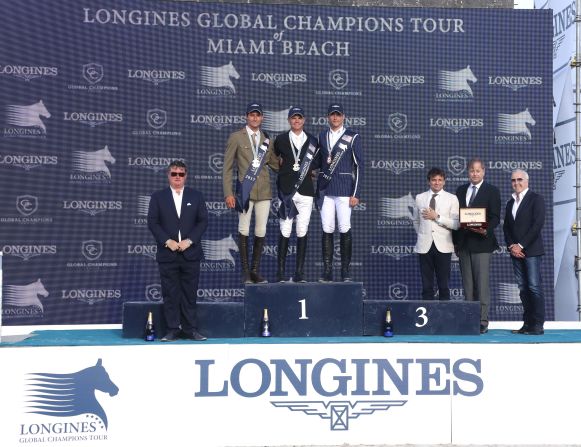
{"points": [[255, 139], [433, 202], [472, 196]]}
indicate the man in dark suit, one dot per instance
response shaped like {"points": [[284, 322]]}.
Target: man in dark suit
{"points": [[178, 218], [523, 222], [474, 245]]}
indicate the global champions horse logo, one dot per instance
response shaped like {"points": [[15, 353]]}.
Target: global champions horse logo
{"points": [[276, 120], [455, 85], [397, 211], [515, 127], [216, 81], [218, 254], [92, 165], [27, 120], [66, 396], [23, 301]]}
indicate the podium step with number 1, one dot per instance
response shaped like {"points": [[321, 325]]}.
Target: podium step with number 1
{"points": [[305, 309]]}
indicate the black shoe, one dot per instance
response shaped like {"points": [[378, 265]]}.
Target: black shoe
{"points": [[257, 279], [522, 330], [539, 331], [172, 335], [193, 335], [298, 277], [483, 329], [327, 277]]}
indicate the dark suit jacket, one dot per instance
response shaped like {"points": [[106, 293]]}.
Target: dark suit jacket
{"points": [[286, 176], [526, 228], [488, 197], [164, 223]]}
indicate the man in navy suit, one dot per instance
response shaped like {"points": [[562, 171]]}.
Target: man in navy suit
{"points": [[474, 245], [338, 188], [178, 218], [523, 222]]}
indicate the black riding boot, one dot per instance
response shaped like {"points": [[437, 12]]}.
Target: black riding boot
{"points": [[244, 267], [299, 275], [256, 255], [327, 258], [282, 252], [346, 244]]}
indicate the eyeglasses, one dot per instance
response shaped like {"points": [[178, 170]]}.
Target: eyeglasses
{"points": [[514, 180], [175, 174]]}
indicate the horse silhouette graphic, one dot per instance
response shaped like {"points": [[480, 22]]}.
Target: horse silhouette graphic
{"points": [[25, 296], [93, 161], [516, 124], [27, 116], [220, 250], [65, 395], [508, 293], [143, 205], [276, 121], [457, 81], [398, 208], [219, 76]]}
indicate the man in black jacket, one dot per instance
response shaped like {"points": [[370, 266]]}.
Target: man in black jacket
{"points": [[474, 245], [177, 219], [523, 222], [296, 150]]}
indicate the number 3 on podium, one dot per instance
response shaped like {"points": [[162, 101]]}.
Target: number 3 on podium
{"points": [[422, 317]]}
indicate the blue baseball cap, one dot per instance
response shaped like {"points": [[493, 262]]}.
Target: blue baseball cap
{"points": [[296, 111], [253, 107], [335, 108]]}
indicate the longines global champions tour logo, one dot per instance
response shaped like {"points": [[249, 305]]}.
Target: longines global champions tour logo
{"points": [[21, 301], [218, 254], [515, 128], [454, 85], [25, 121], [91, 166], [217, 81], [64, 407]]}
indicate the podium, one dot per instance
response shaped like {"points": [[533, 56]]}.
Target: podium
{"points": [[305, 309], [215, 320], [419, 317], [314, 310]]}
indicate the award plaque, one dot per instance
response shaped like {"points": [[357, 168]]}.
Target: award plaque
{"points": [[473, 218]]}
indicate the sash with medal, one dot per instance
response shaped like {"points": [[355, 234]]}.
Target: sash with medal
{"points": [[288, 209], [332, 163], [243, 188]]}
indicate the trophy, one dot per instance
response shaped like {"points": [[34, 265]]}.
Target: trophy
{"points": [[473, 218]]}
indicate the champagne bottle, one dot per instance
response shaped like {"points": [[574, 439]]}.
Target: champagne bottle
{"points": [[149, 328], [388, 324], [265, 332]]}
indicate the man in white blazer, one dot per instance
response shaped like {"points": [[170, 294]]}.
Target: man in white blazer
{"points": [[437, 215]]}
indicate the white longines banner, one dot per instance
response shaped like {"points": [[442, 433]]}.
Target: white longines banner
{"points": [[256, 395]]}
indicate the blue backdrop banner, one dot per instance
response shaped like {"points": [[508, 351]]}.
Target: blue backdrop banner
{"points": [[96, 97]]}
